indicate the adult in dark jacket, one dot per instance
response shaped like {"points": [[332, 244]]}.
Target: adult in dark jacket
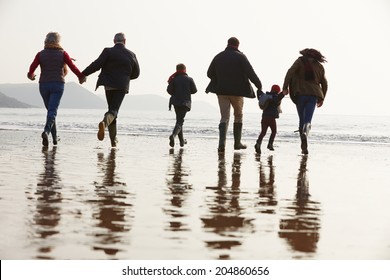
{"points": [[118, 66], [269, 116], [307, 84], [180, 87], [231, 72], [52, 60]]}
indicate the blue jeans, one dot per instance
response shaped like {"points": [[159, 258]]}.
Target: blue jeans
{"points": [[51, 93], [306, 105]]}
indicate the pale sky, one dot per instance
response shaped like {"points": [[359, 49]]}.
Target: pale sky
{"points": [[354, 36]]}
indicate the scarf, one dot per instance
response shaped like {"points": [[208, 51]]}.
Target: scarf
{"points": [[180, 72], [55, 46], [309, 72]]}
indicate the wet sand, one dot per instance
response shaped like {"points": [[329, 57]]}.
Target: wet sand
{"points": [[143, 200]]}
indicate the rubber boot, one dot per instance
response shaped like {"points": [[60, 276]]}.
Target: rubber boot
{"points": [[237, 131], [107, 120], [181, 138], [306, 129], [270, 145], [54, 133], [258, 146], [112, 133], [303, 142], [222, 136], [46, 131], [175, 132]]}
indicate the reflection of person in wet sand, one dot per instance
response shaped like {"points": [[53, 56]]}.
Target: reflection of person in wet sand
{"points": [[178, 187], [110, 208], [302, 224], [224, 217], [267, 200], [48, 199]]}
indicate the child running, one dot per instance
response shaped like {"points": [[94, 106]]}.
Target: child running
{"points": [[180, 87], [270, 114]]}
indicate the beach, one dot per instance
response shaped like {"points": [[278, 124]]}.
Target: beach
{"points": [[143, 200]]}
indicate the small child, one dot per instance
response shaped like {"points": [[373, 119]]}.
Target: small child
{"points": [[270, 113], [180, 87]]}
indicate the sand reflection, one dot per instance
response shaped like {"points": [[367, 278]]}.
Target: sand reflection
{"points": [[225, 214], [178, 188], [267, 196], [48, 204], [110, 208], [300, 224]]}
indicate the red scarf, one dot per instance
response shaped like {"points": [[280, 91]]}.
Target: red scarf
{"points": [[175, 74]]}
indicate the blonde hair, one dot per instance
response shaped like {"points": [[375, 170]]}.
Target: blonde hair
{"points": [[52, 38]]}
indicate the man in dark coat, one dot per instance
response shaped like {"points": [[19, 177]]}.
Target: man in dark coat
{"points": [[231, 73], [118, 66]]}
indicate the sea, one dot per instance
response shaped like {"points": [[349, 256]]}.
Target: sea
{"points": [[355, 129]]}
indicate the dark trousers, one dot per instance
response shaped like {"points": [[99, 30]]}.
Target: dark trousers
{"points": [[265, 123], [114, 101], [181, 112]]}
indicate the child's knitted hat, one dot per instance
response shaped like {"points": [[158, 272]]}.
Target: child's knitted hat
{"points": [[275, 88]]}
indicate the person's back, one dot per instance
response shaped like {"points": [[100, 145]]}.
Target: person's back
{"points": [[230, 75], [229, 72], [52, 65], [118, 66], [307, 84], [307, 77], [272, 110], [181, 88]]}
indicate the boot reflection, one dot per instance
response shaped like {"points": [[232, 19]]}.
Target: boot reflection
{"points": [[178, 188], [48, 199], [267, 200], [301, 224], [224, 218], [110, 208]]}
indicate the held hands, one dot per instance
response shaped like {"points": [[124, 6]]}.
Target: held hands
{"points": [[31, 76], [82, 79], [320, 102]]}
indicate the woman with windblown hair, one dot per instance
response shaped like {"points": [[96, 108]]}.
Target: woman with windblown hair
{"points": [[52, 60], [307, 85]]}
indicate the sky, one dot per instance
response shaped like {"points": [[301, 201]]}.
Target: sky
{"points": [[353, 35]]}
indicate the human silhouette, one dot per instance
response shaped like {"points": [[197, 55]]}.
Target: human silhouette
{"points": [[300, 225], [111, 208], [48, 199]]}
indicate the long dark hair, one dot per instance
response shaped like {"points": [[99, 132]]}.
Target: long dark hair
{"points": [[313, 54]]}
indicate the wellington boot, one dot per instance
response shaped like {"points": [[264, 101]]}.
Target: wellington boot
{"points": [[102, 127], [222, 136], [181, 138], [45, 139], [54, 133], [112, 133], [107, 120], [303, 142], [258, 147], [175, 132], [270, 145], [237, 132]]}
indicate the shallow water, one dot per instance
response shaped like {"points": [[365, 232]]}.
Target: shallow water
{"points": [[143, 200]]}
